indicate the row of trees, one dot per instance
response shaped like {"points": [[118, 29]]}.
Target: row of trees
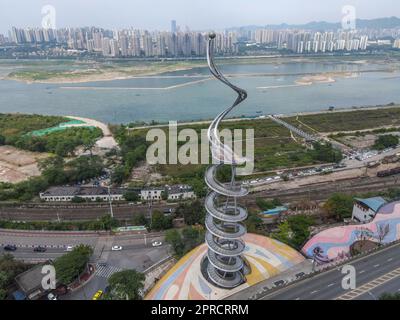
{"points": [[57, 171], [71, 265], [103, 223]]}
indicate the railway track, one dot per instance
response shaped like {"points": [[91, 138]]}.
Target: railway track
{"points": [[324, 190], [318, 192]]}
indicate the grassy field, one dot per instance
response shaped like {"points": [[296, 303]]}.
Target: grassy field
{"points": [[15, 130], [349, 121], [93, 71], [20, 124], [274, 147]]}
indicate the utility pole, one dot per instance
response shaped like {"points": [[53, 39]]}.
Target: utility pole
{"points": [[109, 200], [150, 209]]}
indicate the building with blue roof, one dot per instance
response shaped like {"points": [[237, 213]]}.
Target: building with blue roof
{"points": [[275, 211], [364, 210]]}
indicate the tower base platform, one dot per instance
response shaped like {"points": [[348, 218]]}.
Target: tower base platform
{"points": [[185, 281]]}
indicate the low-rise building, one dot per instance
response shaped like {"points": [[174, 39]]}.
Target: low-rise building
{"points": [[67, 194], [180, 192], [364, 210], [152, 193], [29, 283]]}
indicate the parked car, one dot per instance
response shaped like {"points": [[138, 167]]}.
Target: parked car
{"points": [[97, 295], [116, 248], [157, 244], [39, 249], [69, 248], [10, 247]]}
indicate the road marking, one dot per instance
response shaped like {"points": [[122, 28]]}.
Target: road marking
{"points": [[106, 271], [390, 259], [376, 266], [370, 286], [299, 298], [362, 271], [314, 291], [330, 285]]}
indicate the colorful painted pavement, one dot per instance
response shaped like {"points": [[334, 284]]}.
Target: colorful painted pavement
{"points": [[185, 281], [335, 243]]}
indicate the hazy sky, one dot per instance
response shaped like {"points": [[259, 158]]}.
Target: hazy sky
{"points": [[197, 14]]}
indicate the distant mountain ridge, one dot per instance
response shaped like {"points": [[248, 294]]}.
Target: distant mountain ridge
{"points": [[380, 23]]}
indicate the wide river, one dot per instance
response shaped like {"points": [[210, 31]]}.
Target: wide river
{"points": [[191, 95]]}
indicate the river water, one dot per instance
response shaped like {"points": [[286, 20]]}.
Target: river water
{"points": [[191, 95]]}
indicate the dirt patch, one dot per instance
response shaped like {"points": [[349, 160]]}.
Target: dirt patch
{"points": [[18, 165], [359, 142], [362, 246]]}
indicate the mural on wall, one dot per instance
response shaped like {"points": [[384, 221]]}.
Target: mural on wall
{"points": [[335, 243]]}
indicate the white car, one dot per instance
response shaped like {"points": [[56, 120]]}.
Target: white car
{"points": [[157, 244], [69, 248], [51, 296], [116, 248]]}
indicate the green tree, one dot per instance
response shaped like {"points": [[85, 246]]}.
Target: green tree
{"points": [[2, 140], [390, 296], [126, 285], [160, 222], [140, 220], [193, 212], [284, 233], [300, 227], [325, 152], [339, 206], [174, 238], [192, 237], [71, 265], [386, 141], [78, 200], [131, 196], [119, 174], [53, 170], [108, 223], [254, 224], [164, 195], [9, 269]]}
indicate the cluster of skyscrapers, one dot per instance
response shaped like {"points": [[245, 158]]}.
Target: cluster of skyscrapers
{"points": [[186, 43], [312, 42], [129, 42]]}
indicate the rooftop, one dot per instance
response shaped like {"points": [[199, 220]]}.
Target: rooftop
{"points": [[30, 280], [80, 191], [374, 203]]}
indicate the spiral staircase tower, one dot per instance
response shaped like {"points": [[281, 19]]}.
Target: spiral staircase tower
{"points": [[224, 263]]}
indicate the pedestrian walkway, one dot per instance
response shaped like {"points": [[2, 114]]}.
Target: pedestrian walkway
{"points": [[106, 271]]}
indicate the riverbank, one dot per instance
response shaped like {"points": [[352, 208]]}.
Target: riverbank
{"points": [[61, 72]]}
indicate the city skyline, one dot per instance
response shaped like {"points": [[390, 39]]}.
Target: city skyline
{"points": [[225, 14]]}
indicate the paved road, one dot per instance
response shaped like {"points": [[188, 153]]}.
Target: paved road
{"points": [[327, 286], [138, 252], [68, 212]]}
